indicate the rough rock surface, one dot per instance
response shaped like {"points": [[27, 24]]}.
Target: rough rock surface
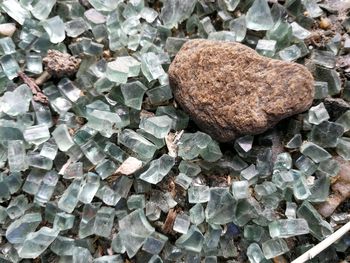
{"points": [[230, 90]]}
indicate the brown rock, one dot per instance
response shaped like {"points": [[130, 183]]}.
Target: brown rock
{"points": [[230, 90]]}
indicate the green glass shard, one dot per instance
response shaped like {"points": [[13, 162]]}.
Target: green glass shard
{"points": [[17, 231], [245, 210], [68, 89], [312, 8], [102, 5], [89, 187], [158, 169], [282, 179], [134, 230], [301, 190], [174, 44], [315, 152], [86, 226], [105, 169], [63, 246], [283, 162], [189, 168], [299, 32], [94, 153], [320, 189], [319, 228], [75, 27], [323, 58], [253, 232], [343, 148], [191, 145], [220, 207], [132, 94], [290, 53], [295, 142], [191, 241], [250, 174], [104, 221], [222, 36], [109, 259], [326, 134], [47, 187], [266, 47], [330, 167], [69, 199], [54, 27], [36, 160], [330, 76], [41, 9], [176, 11], [321, 89], [255, 254], [81, 255], [274, 247], [122, 68], [306, 165], [183, 180], [198, 194], [36, 134], [197, 215], [62, 137], [15, 10], [285, 228], [240, 189], [239, 27], [180, 119], [344, 120], [36, 242], [138, 144], [159, 94], [63, 221], [151, 66], [34, 63], [17, 207], [136, 202], [158, 126], [259, 16], [264, 189], [291, 210], [16, 155], [7, 46], [181, 223], [9, 66]]}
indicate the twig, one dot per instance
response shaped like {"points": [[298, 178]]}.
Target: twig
{"points": [[43, 78], [38, 94], [313, 252]]}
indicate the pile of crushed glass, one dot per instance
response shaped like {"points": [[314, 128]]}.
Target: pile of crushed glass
{"points": [[103, 167]]}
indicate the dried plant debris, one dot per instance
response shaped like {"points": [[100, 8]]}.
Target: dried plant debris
{"points": [[99, 161], [60, 64]]}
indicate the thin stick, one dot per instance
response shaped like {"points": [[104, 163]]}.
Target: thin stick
{"points": [[313, 252]]}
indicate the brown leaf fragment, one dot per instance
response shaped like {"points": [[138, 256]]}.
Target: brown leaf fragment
{"points": [[169, 221], [340, 188]]}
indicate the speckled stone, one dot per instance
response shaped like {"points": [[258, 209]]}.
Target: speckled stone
{"points": [[229, 90]]}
